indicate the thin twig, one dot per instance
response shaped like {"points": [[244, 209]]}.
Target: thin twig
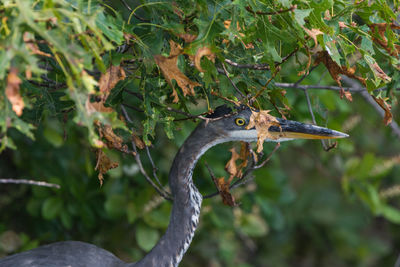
{"points": [[224, 98], [130, 9], [265, 86], [305, 75], [55, 86], [137, 95], [247, 176], [155, 169], [30, 182], [328, 87], [277, 146], [262, 66], [364, 93], [324, 87], [212, 176], [292, 8], [133, 107], [139, 162], [233, 84]]}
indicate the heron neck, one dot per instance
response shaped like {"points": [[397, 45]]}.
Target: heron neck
{"points": [[187, 201]]}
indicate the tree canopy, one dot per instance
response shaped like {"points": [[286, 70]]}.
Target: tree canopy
{"points": [[110, 89]]}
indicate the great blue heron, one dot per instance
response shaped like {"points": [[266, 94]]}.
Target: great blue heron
{"points": [[186, 198]]}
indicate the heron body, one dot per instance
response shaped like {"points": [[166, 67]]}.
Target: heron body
{"points": [[169, 250]]}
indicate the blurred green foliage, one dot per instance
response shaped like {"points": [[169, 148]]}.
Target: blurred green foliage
{"points": [[307, 207]]}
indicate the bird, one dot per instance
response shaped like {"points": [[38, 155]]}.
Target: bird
{"points": [[225, 124]]}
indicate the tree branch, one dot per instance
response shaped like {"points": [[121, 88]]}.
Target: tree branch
{"points": [[292, 8], [29, 182], [134, 14], [364, 93], [233, 84], [262, 66], [159, 190]]}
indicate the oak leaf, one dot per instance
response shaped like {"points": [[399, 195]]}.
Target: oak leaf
{"points": [[342, 25], [231, 166], [227, 24], [112, 139], [138, 142], [244, 155], [335, 70], [387, 119], [187, 37], [380, 73], [103, 164], [107, 82], [223, 189], [30, 43], [262, 121], [109, 79], [313, 33], [13, 91], [380, 29], [169, 69], [201, 52]]}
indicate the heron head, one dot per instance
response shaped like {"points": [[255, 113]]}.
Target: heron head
{"points": [[234, 126]]}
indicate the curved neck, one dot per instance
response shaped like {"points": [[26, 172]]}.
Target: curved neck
{"points": [[187, 201]]}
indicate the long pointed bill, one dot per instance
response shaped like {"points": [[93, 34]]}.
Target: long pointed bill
{"points": [[297, 130]]}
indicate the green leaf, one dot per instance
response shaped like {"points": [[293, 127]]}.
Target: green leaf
{"points": [[285, 3], [131, 212], [392, 214], [115, 206], [146, 237], [158, 218], [66, 220], [301, 14], [52, 207], [367, 45], [53, 136], [253, 225], [330, 46]]}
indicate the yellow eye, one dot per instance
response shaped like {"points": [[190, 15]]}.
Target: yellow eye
{"points": [[240, 121]]}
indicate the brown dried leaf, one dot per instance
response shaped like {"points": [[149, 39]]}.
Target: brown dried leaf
{"points": [[109, 79], [223, 189], [112, 140], [262, 121], [169, 69], [327, 15], [342, 25], [103, 164], [187, 37], [386, 107], [107, 82], [231, 166], [335, 70], [380, 73], [30, 43], [313, 33], [28, 73], [244, 155], [138, 142], [227, 24], [128, 37], [348, 95], [380, 28], [12, 91], [201, 52]]}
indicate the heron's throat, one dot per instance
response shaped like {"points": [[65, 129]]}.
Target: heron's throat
{"points": [[187, 201]]}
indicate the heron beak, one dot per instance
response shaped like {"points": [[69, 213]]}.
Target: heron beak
{"points": [[297, 130]]}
